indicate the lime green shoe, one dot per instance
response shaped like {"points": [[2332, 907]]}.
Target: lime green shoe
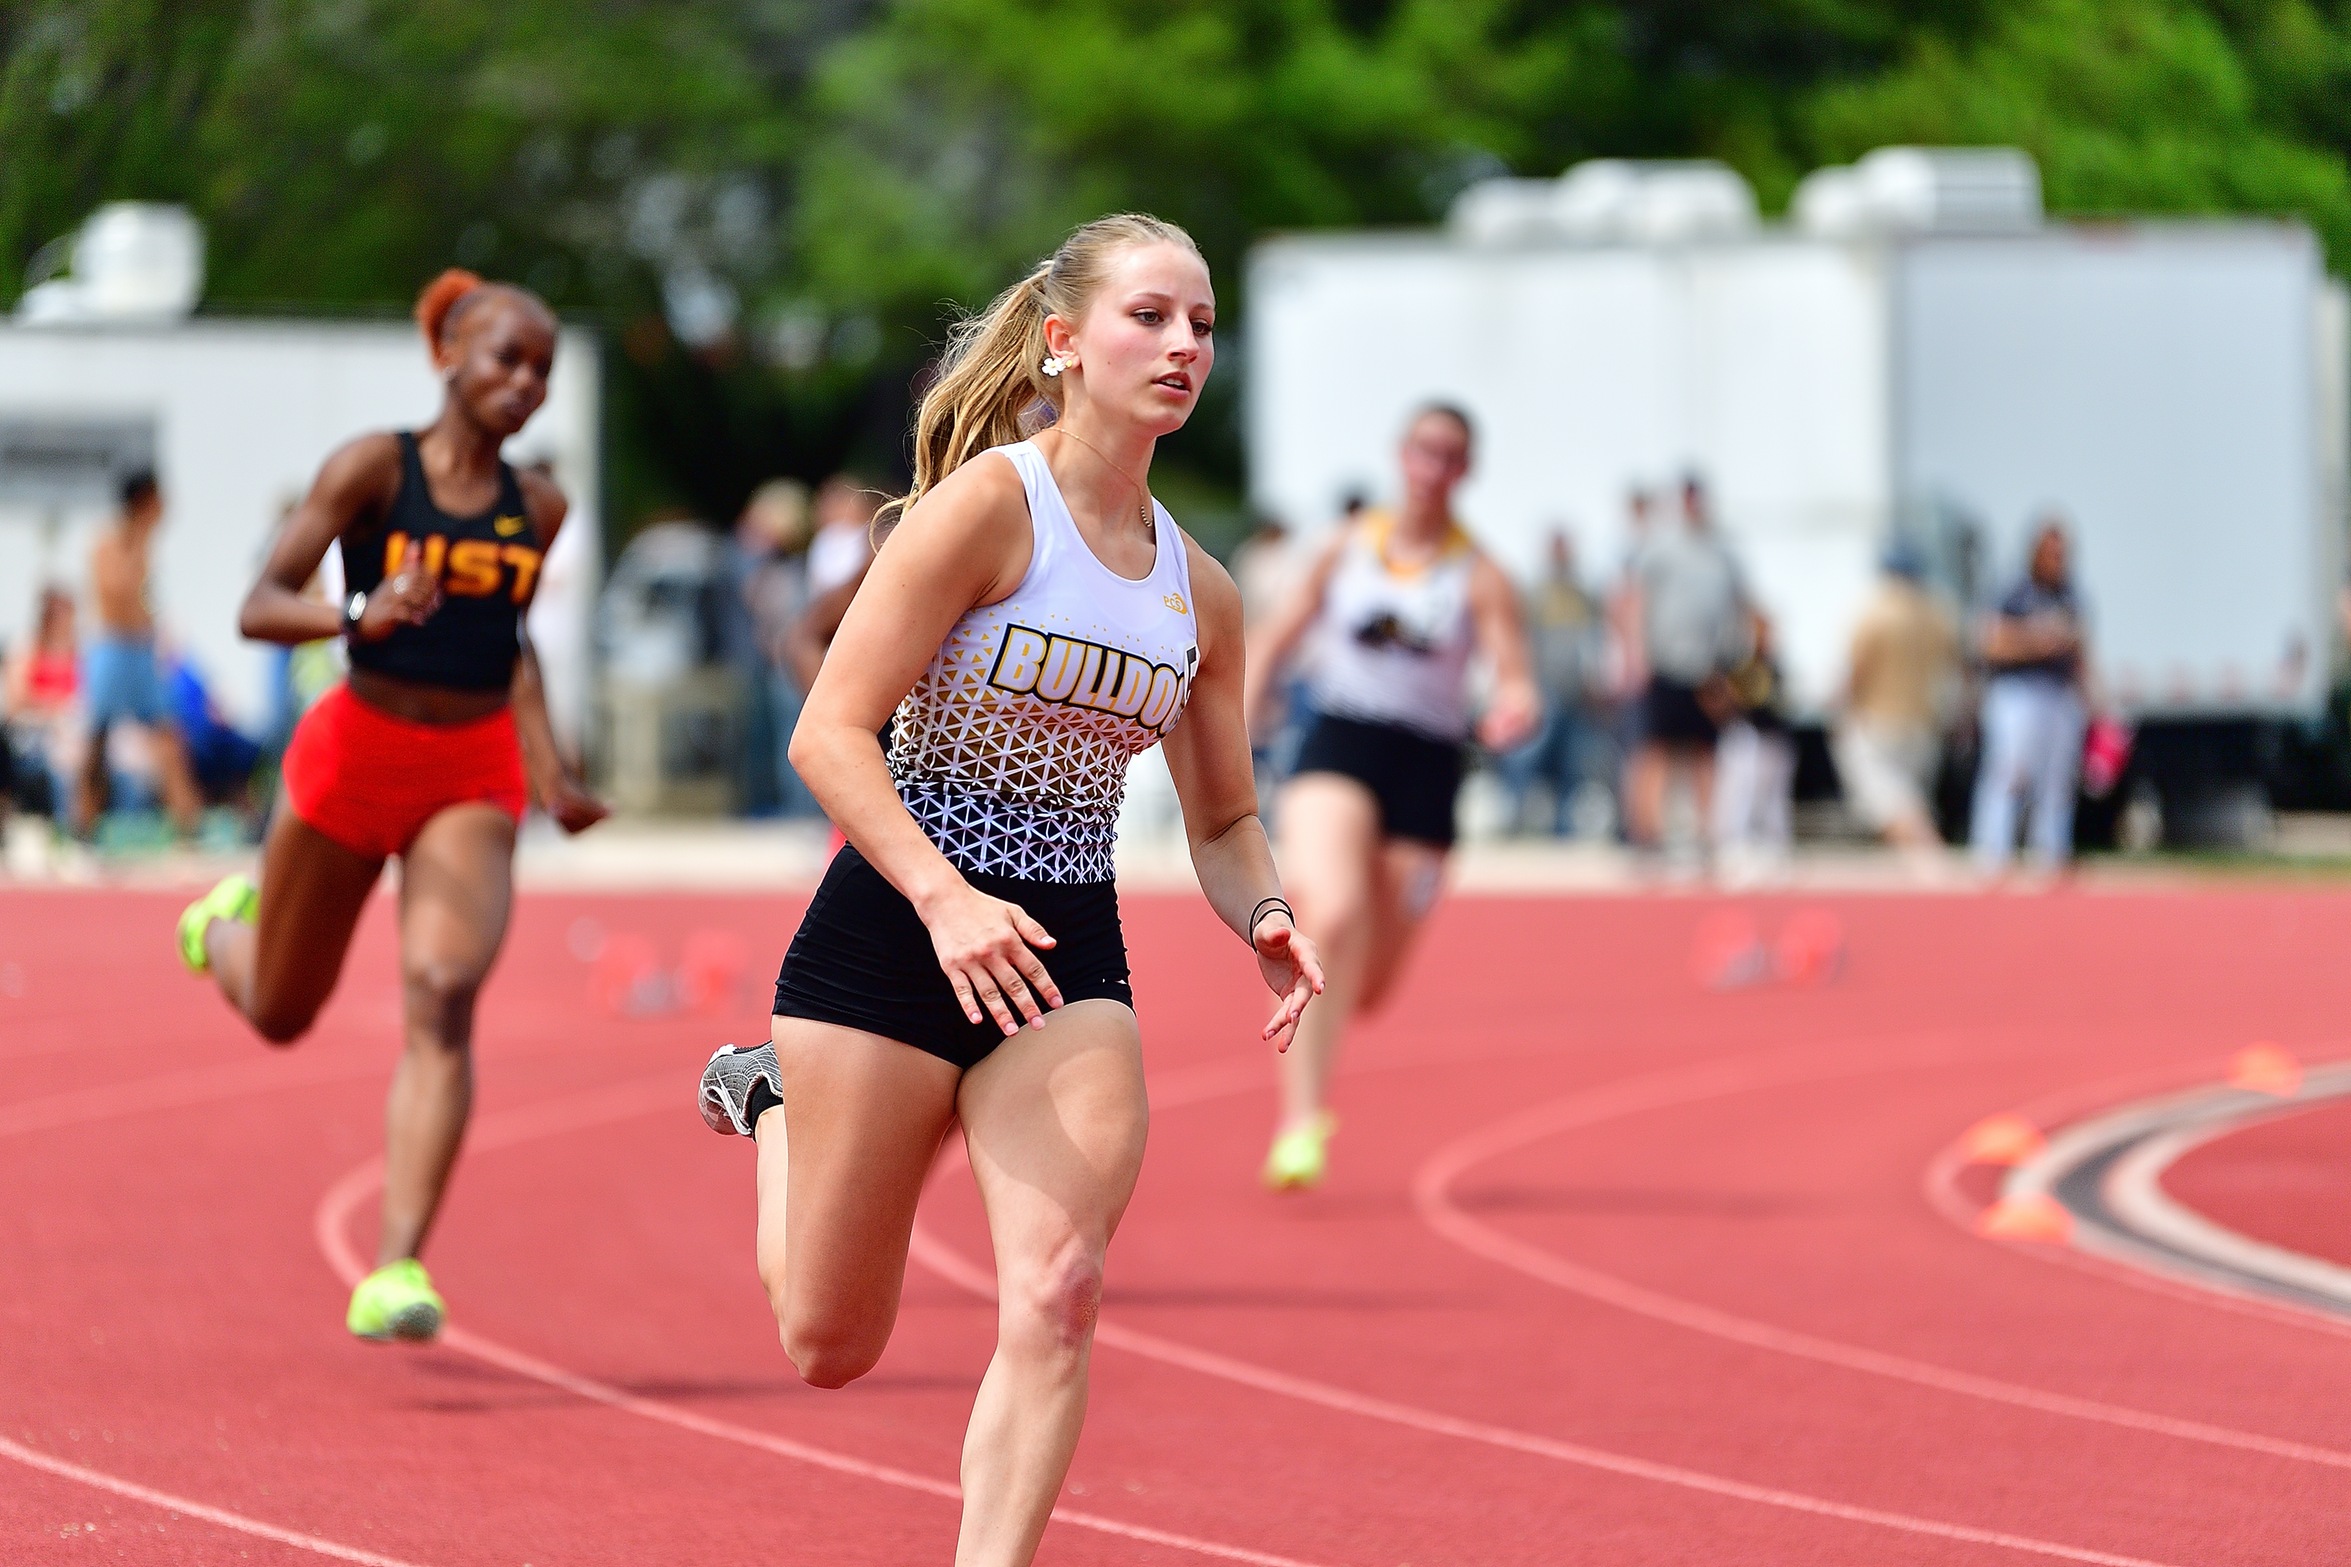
{"points": [[397, 1301], [234, 898], [1300, 1156]]}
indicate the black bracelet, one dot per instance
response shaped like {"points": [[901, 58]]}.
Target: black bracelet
{"points": [[1264, 907]]}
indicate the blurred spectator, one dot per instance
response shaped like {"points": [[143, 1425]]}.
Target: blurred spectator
{"points": [[1569, 647], [301, 675], [1627, 674], [1265, 567], [1904, 675], [768, 591], [221, 758], [1755, 764], [2036, 653], [844, 534], [1686, 615], [43, 708], [304, 674], [122, 677], [838, 558]]}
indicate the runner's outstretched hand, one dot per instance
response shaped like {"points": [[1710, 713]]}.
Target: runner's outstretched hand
{"points": [[575, 810], [1292, 970]]}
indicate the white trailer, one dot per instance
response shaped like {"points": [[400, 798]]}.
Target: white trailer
{"points": [[2176, 390], [235, 416]]}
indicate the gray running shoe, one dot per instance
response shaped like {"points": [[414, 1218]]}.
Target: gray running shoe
{"points": [[726, 1086]]}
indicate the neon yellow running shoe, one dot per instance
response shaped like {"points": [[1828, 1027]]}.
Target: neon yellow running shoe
{"points": [[397, 1301], [1300, 1157], [233, 898]]}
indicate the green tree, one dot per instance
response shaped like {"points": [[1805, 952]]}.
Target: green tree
{"points": [[774, 205], [2130, 106]]}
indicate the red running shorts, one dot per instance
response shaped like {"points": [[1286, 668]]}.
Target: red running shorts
{"points": [[371, 781]]}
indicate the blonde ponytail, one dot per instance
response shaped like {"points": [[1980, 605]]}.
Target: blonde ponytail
{"points": [[992, 389]]}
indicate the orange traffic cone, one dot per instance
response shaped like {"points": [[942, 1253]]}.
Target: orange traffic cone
{"points": [[2003, 1139], [2265, 1069], [1728, 953], [2036, 1217], [1811, 949], [710, 969], [629, 978]]}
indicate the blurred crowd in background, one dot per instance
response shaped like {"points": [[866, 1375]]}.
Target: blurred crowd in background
{"points": [[772, 211], [112, 734], [1667, 725], [111, 729]]}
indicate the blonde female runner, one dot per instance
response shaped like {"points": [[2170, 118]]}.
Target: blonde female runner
{"points": [[1033, 622]]}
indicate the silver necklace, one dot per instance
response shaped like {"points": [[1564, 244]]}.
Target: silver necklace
{"points": [[1143, 505]]}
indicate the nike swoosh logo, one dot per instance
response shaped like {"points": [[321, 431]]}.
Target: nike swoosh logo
{"points": [[508, 527]]}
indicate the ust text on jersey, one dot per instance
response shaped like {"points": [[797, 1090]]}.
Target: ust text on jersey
{"points": [[471, 568], [1072, 672]]}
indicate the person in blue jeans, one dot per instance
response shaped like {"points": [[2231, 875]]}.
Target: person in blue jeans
{"points": [[1564, 625], [2036, 653]]}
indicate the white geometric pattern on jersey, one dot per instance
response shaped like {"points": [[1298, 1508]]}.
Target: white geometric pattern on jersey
{"points": [[1009, 782]]}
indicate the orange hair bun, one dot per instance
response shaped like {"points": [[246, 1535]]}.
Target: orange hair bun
{"points": [[440, 296]]}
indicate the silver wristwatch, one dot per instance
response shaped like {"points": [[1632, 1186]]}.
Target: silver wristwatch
{"points": [[351, 613]]}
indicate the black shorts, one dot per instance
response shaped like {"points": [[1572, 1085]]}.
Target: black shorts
{"points": [[1413, 777], [1672, 715], [863, 958]]}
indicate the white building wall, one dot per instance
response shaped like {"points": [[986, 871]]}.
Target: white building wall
{"points": [[2156, 385], [1590, 371]]}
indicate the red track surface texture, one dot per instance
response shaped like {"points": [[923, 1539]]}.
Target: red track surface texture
{"points": [[2286, 1181], [1611, 1269]]}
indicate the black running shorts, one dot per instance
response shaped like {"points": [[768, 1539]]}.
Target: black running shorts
{"points": [[1672, 715], [1413, 777], [863, 958]]}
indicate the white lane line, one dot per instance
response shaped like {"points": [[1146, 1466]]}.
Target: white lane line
{"points": [[1939, 1184], [1432, 1196], [2134, 1190], [954, 1267], [2154, 1135], [1216, 1080], [957, 1269], [621, 1102], [173, 1090], [33, 1457]]}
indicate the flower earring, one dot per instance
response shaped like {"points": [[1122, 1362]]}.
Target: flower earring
{"points": [[1056, 363]]}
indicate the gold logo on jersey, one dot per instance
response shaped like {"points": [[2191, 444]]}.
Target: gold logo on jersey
{"points": [[1174, 601], [508, 527], [1070, 672], [475, 568]]}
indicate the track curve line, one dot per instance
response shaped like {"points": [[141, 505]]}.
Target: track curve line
{"points": [[624, 1101], [1940, 1186], [34, 1458], [2106, 1171], [1432, 1196], [960, 1270], [165, 1091]]}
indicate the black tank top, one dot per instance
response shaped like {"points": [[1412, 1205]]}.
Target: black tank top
{"points": [[488, 567]]}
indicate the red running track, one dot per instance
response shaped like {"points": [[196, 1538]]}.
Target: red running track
{"points": [[2284, 1180], [1611, 1269]]}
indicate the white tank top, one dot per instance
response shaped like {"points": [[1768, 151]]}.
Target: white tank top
{"points": [[1393, 647], [1012, 748]]}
